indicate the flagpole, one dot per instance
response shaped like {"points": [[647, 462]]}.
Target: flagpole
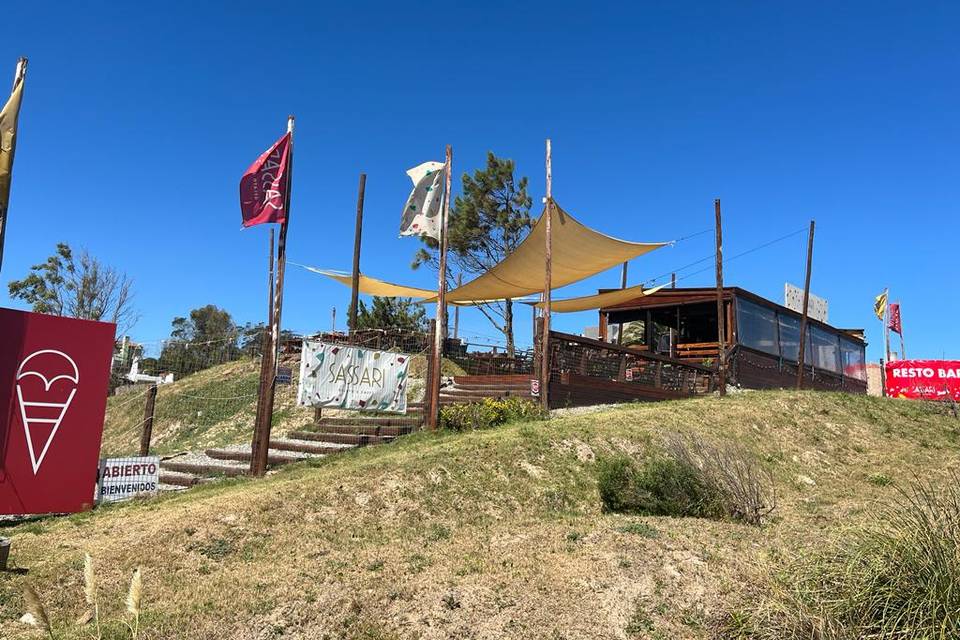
{"points": [[547, 285], [903, 348], [433, 419], [260, 446], [19, 76], [886, 323]]}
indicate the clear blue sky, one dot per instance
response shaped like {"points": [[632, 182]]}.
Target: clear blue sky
{"points": [[137, 124]]}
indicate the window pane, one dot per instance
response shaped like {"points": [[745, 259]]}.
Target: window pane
{"points": [[854, 361], [826, 350], [789, 337], [757, 327]]}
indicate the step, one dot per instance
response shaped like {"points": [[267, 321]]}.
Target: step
{"points": [[274, 458], [306, 446], [340, 438], [178, 478], [369, 429], [204, 466], [381, 422]]}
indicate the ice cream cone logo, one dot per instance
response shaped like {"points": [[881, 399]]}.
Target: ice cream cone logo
{"points": [[43, 406]]}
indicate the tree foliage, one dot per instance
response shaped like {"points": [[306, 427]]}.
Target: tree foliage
{"points": [[78, 286], [487, 223], [206, 338], [392, 313]]}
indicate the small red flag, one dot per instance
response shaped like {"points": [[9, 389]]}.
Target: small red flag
{"points": [[894, 322], [263, 187]]}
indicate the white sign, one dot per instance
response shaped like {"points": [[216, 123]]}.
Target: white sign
{"points": [[338, 376], [793, 299], [534, 387], [124, 478]]}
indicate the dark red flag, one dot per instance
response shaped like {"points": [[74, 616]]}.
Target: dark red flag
{"points": [[894, 322], [263, 187]]}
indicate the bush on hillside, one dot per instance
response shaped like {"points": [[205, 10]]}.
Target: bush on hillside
{"points": [[689, 478], [488, 413], [895, 577]]}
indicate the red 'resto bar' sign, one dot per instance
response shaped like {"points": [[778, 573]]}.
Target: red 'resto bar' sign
{"points": [[54, 378], [923, 379]]}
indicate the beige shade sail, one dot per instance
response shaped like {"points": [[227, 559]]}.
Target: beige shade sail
{"points": [[598, 300], [373, 286], [578, 252]]}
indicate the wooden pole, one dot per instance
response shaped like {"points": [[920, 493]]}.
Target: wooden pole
{"points": [[148, 410], [260, 446], [19, 75], [433, 417], [547, 286], [623, 285], [721, 320], [270, 276], [355, 282], [333, 319], [456, 311], [806, 304], [673, 281]]}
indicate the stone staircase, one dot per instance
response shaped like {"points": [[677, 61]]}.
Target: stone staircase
{"points": [[325, 437]]}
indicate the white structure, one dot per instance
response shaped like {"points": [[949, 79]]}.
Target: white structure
{"points": [[793, 300]]}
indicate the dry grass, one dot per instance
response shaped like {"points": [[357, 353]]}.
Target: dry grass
{"points": [[489, 534]]}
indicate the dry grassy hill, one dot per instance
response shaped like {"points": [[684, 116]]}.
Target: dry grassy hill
{"points": [[490, 534]]}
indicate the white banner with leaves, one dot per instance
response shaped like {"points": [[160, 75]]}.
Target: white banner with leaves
{"points": [[343, 377]]}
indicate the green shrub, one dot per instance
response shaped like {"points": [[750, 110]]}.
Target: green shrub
{"points": [[690, 478], [893, 578], [659, 486], [488, 413]]}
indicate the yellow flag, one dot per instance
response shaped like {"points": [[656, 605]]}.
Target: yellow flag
{"points": [[880, 304], [8, 144]]}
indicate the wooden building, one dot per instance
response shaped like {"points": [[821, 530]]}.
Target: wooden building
{"points": [[762, 338]]}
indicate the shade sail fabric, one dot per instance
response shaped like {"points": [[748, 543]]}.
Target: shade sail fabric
{"points": [[373, 286], [578, 252], [598, 300]]}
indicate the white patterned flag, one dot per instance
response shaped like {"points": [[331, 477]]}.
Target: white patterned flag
{"points": [[342, 377], [421, 214]]}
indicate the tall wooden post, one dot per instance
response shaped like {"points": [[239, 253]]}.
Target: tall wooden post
{"points": [[270, 276], [148, 410], [721, 316], [456, 311], [806, 303], [623, 285], [260, 446], [547, 286], [355, 282], [433, 417]]}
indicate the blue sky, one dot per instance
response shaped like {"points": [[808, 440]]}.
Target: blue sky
{"points": [[138, 122]]}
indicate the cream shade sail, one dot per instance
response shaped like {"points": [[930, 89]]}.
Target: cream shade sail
{"points": [[598, 300], [373, 286], [578, 252]]}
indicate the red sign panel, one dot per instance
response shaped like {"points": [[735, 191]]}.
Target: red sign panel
{"points": [[54, 378], [923, 379]]}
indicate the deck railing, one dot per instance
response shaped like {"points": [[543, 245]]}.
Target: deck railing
{"points": [[572, 354]]}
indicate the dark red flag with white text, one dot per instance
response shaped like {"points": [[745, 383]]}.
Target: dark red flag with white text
{"points": [[263, 187], [894, 321]]}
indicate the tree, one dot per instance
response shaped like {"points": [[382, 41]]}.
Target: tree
{"points": [[487, 223], [78, 287], [208, 337], [392, 313]]}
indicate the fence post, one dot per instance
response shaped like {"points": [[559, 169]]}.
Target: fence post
{"points": [[148, 411], [430, 409]]}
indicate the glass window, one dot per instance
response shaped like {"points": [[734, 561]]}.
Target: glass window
{"points": [[853, 358], [826, 350], [789, 337], [757, 327]]}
